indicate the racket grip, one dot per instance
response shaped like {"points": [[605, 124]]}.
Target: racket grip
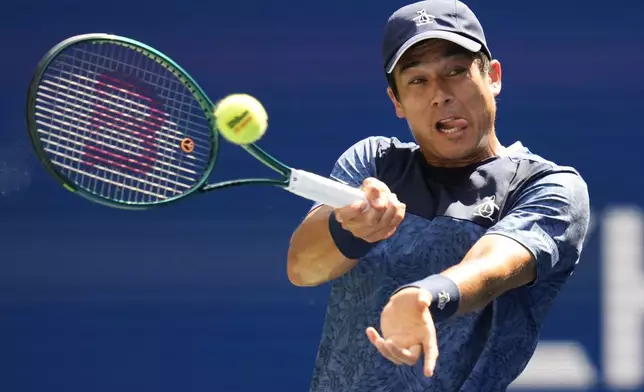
{"points": [[323, 190]]}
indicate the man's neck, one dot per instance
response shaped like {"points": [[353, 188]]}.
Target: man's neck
{"points": [[492, 149]]}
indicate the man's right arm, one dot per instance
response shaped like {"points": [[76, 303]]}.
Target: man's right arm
{"points": [[329, 243], [313, 257]]}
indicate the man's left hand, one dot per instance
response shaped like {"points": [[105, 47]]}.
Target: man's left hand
{"points": [[407, 330]]}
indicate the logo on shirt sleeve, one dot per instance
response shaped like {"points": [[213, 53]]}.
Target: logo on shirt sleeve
{"points": [[486, 208]]}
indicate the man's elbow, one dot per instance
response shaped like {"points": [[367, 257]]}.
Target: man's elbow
{"points": [[298, 275], [301, 281]]}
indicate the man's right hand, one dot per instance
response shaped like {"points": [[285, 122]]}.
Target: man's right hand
{"points": [[380, 220]]}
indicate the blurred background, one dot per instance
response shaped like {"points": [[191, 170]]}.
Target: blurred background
{"points": [[194, 297]]}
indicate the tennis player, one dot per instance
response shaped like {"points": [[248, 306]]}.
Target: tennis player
{"points": [[444, 281]]}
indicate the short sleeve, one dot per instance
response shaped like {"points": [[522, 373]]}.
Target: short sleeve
{"points": [[550, 217], [358, 162]]}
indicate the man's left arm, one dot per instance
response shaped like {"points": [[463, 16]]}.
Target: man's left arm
{"points": [[544, 231]]}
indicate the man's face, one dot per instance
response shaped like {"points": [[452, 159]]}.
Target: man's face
{"points": [[448, 103]]}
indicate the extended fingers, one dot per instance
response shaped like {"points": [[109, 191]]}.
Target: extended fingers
{"points": [[381, 345], [391, 351], [430, 347], [406, 356]]}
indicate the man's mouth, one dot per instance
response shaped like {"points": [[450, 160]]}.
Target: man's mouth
{"points": [[451, 124]]}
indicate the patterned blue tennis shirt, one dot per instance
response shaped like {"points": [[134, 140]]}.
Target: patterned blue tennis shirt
{"points": [[543, 206]]}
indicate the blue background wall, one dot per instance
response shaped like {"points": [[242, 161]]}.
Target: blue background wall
{"points": [[195, 297]]}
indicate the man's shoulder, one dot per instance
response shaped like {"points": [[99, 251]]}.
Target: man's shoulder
{"points": [[531, 167], [380, 153], [544, 182]]}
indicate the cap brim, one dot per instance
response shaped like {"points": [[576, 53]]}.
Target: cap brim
{"points": [[458, 39]]}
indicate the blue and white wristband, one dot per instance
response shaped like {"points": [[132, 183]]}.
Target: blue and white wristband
{"points": [[445, 295]]}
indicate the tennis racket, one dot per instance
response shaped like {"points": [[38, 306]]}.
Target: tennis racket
{"points": [[122, 124]]}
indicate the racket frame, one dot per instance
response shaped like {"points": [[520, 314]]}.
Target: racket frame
{"points": [[184, 77]]}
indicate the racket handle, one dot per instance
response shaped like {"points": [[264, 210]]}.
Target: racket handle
{"points": [[323, 190]]}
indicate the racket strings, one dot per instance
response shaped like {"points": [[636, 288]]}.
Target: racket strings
{"points": [[114, 121], [132, 138], [196, 123], [123, 121]]}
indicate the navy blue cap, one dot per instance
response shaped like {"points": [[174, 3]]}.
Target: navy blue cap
{"points": [[450, 20]]}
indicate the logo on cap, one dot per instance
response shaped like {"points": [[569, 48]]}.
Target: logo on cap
{"points": [[423, 18]]}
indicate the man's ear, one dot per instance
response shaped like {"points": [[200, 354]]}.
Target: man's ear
{"points": [[397, 106], [494, 77]]}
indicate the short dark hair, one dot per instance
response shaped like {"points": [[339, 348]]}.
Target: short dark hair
{"points": [[480, 57]]}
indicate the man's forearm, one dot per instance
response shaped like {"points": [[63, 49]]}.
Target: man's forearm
{"points": [[477, 286], [494, 265], [313, 257]]}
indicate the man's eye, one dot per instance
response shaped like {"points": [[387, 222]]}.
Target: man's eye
{"points": [[417, 81], [456, 71]]}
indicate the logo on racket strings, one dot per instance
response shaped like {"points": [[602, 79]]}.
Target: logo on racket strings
{"points": [[187, 145]]}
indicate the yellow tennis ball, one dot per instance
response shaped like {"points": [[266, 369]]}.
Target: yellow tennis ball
{"points": [[241, 118]]}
